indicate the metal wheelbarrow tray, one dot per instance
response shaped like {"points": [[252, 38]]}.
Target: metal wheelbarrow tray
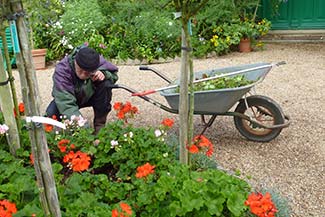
{"points": [[256, 117], [220, 100]]}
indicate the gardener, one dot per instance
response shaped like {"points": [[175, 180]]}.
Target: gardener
{"points": [[83, 79]]}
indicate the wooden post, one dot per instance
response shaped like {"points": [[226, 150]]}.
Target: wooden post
{"points": [[187, 10], [183, 102], [6, 103], [42, 163], [7, 107], [11, 79]]}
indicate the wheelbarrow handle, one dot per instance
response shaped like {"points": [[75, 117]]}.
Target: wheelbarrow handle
{"points": [[144, 68], [160, 74], [147, 92], [281, 63]]}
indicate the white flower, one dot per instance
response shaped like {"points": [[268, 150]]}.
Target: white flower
{"points": [[64, 41], [158, 133], [81, 121], [165, 154], [170, 23], [3, 129], [58, 24], [114, 143], [131, 134]]}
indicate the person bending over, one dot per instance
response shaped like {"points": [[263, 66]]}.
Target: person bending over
{"points": [[83, 79]]}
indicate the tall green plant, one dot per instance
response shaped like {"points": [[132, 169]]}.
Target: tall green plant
{"points": [[140, 29], [40, 15], [80, 20]]}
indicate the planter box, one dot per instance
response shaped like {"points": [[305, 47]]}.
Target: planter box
{"points": [[38, 57]]}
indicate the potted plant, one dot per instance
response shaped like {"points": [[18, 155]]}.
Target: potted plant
{"points": [[246, 30], [38, 54]]}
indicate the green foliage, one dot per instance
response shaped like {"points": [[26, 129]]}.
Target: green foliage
{"points": [[220, 83], [177, 193], [81, 20], [144, 30], [42, 17], [222, 38], [117, 151], [17, 183]]}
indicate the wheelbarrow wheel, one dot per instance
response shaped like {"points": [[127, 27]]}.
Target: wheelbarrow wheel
{"points": [[263, 110]]}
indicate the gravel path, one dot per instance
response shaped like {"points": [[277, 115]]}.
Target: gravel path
{"points": [[292, 164]]}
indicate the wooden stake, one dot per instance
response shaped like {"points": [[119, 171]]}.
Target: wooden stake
{"points": [[30, 92]]}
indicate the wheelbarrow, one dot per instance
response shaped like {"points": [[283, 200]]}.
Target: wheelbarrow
{"points": [[256, 117]]}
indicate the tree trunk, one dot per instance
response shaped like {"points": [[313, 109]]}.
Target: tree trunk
{"points": [[42, 163]]}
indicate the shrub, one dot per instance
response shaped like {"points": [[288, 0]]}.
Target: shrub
{"points": [[81, 20], [144, 30], [42, 16]]}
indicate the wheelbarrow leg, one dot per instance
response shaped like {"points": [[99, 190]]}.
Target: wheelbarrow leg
{"points": [[206, 125]]}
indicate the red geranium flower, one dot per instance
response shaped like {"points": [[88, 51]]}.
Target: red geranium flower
{"points": [[167, 122], [123, 211], [117, 106], [126, 208], [62, 145], [78, 161], [193, 149], [261, 205], [125, 111], [115, 213], [49, 127], [201, 143], [21, 108], [7, 208], [144, 170], [31, 159]]}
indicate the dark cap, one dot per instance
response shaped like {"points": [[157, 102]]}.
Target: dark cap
{"points": [[87, 59]]}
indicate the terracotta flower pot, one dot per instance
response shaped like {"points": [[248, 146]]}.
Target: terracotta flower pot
{"points": [[38, 56], [245, 45]]}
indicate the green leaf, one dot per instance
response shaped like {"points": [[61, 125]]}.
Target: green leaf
{"points": [[235, 203], [215, 206]]}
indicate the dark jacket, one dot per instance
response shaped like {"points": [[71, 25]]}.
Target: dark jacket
{"points": [[69, 91]]}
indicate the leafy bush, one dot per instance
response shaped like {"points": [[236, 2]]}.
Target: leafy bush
{"points": [[81, 20], [122, 164], [144, 30], [42, 16]]}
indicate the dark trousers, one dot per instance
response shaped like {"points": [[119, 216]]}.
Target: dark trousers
{"points": [[100, 101]]}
